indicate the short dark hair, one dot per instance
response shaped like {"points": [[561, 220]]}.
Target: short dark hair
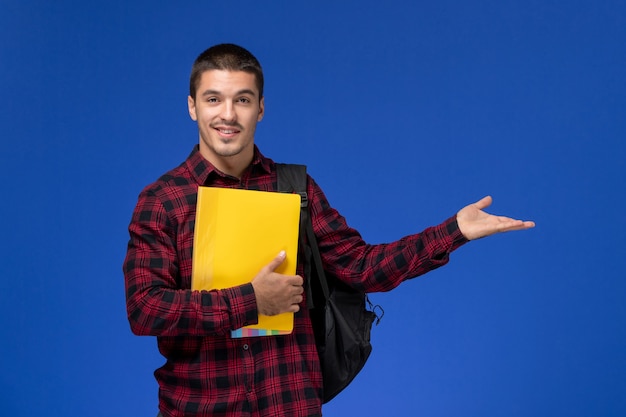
{"points": [[225, 56]]}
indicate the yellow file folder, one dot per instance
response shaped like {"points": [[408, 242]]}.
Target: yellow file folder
{"points": [[238, 232]]}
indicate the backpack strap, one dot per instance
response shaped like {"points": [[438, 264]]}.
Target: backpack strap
{"points": [[293, 178]]}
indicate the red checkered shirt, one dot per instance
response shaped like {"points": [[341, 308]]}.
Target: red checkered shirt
{"points": [[206, 371]]}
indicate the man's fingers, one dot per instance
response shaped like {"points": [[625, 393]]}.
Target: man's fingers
{"points": [[277, 293], [295, 280], [519, 225]]}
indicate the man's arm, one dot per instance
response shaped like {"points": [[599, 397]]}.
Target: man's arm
{"points": [[156, 303], [382, 267], [475, 223], [379, 267]]}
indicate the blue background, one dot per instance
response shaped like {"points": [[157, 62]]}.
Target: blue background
{"points": [[404, 112]]}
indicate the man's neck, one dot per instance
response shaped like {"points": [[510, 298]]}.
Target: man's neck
{"points": [[234, 165]]}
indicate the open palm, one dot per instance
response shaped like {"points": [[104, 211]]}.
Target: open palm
{"points": [[475, 223]]}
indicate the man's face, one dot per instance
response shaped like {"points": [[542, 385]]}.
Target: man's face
{"points": [[227, 109]]}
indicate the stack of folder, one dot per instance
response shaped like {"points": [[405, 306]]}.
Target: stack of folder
{"points": [[238, 232]]}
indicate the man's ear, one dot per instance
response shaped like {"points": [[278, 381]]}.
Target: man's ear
{"points": [[191, 105], [261, 109]]}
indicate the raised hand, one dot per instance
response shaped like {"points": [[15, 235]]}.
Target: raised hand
{"points": [[475, 223], [277, 293]]}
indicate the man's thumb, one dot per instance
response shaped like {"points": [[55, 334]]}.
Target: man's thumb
{"points": [[277, 260]]}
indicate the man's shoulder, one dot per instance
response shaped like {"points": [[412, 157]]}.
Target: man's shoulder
{"points": [[171, 182]]}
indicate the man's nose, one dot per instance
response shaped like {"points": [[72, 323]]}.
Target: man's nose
{"points": [[228, 112]]}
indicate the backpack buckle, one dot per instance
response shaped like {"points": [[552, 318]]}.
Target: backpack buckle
{"points": [[304, 199]]}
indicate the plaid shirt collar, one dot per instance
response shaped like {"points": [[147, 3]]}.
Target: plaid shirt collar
{"points": [[202, 170]]}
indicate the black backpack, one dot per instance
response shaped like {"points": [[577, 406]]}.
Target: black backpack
{"points": [[339, 314]]}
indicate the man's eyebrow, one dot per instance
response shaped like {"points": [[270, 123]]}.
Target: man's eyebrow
{"points": [[217, 93], [246, 91], [210, 93]]}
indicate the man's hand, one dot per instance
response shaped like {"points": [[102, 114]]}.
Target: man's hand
{"points": [[277, 293], [474, 223]]}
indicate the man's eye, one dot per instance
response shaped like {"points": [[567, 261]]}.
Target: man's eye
{"points": [[244, 100], [211, 100]]}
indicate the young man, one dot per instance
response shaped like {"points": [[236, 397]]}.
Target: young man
{"points": [[208, 373]]}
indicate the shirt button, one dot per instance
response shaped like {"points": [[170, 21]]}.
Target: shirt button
{"points": [[245, 347]]}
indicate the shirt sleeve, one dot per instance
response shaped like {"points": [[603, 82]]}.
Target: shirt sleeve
{"points": [[156, 303], [381, 267]]}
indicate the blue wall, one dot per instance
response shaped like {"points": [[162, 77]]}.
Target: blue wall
{"points": [[404, 112]]}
